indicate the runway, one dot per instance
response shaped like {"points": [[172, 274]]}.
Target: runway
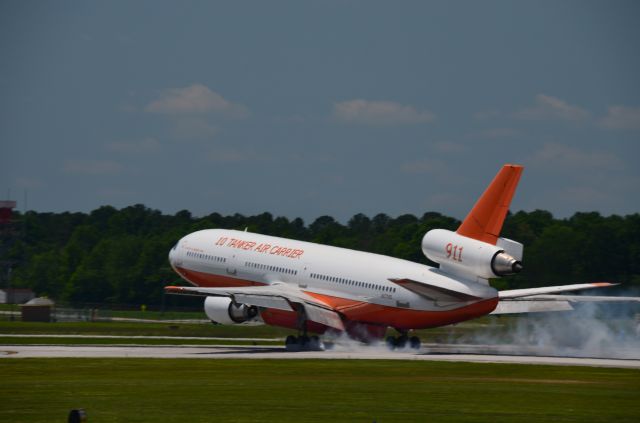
{"points": [[255, 352]]}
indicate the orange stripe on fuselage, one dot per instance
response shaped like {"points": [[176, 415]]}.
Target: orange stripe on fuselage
{"points": [[213, 281], [352, 310], [402, 318]]}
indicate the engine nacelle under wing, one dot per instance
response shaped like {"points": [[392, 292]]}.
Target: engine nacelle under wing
{"points": [[461, 254], [225, 312]]}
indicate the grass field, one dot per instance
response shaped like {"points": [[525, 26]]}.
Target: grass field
{"points": [[142, 329], [186, 329], [37, 340], [106, 312], [163, 390]]}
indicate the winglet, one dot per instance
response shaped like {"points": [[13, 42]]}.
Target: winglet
{"points": [[484, 221]]}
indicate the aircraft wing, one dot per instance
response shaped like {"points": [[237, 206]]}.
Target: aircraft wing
{"points": [[534, 300], [278, 295]]}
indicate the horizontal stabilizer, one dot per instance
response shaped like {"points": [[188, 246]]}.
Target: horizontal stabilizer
{"points": [[542, 303], [527, 292], [582, 299], [530, 306]]}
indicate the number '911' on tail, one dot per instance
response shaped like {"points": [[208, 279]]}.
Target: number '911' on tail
{"points": [[476, 249]]}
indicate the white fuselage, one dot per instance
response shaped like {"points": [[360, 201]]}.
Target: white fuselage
{"points": [[219, 257]]}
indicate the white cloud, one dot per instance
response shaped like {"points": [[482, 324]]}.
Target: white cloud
{"points": [[142, 146], [620, 117], [379, 113], [195, 99], [562, 156], [547, 107], [92, 167]]}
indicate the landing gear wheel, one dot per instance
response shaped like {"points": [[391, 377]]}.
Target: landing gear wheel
{"points": [[314, 343], [414, 343], [291, 343], [302, 343], [391, 342], [401, 341]]}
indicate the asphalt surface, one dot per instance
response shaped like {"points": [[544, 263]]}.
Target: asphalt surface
{"points": [[256, 352]]}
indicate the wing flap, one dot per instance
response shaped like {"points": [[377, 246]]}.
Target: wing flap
{"points": [[433, 292], [266, 301], [323, 316]]}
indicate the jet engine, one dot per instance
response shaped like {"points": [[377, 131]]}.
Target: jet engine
{"points": [[460, 254], [225, 312]]}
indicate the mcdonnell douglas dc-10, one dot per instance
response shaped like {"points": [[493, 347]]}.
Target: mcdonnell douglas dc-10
{"points": [[317, 288]]}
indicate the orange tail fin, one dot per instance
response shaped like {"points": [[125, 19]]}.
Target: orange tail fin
{"points": [[485, 220]]}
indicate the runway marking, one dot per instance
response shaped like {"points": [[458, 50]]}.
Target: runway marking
{"points": [[275, 353], [186, 338]]}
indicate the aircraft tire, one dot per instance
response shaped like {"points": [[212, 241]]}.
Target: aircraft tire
{"points": [[401, 341], [314, 343], [291, 343], [414, 343], [391, 342]]}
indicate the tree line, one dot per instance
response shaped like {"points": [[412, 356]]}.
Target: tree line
{"points": [[113, 256]]}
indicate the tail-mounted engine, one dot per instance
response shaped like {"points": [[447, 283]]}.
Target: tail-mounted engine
{"points": [[460, 254], [225, 312]]}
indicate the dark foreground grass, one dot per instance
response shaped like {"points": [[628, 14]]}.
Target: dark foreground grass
{"points": [[161, 390]]}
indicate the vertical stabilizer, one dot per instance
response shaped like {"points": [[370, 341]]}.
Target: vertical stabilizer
{"points": [[485, 220]]}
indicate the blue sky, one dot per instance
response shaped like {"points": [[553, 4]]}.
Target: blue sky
{"points": [[311, 108]]}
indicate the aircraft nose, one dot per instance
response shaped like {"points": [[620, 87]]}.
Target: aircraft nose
{"points": [[172, 255]]}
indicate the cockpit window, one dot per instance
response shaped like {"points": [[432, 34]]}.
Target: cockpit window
{"points": [[175, 246]]}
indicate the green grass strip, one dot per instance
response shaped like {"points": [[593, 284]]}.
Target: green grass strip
{"points": [[167, 390]]}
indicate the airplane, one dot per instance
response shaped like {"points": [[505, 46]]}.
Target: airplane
{"points": [[316, 289]]}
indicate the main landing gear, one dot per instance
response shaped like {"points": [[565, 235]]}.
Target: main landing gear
{"points": [[303, 343], [403, 341]]}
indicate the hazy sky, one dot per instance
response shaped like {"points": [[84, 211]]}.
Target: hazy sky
{"points": [[311, 108]]}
